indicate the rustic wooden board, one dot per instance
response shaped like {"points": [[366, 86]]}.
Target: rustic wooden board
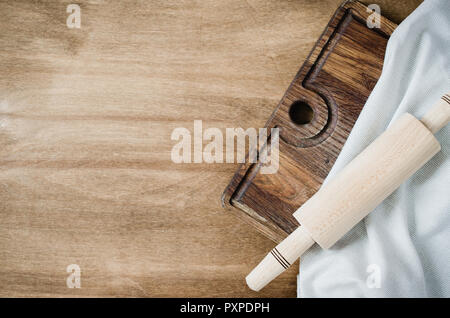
{"points": [[335, 82]]}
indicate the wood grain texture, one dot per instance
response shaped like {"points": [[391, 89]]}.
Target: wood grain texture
{"points": [[85, 122], [335, 81]]}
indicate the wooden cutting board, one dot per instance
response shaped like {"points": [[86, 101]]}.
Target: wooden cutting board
{"points": [[315, 117]]}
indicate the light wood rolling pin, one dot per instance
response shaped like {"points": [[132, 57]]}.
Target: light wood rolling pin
{"points": [[356, 190]]}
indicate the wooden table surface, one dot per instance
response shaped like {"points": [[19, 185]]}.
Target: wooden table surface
{"points": [[86, 117]]}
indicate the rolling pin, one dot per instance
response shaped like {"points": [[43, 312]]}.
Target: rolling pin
{"points": [[357, 189]]}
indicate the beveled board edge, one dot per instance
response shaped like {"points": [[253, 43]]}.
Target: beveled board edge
{"points": [[266, 227]]}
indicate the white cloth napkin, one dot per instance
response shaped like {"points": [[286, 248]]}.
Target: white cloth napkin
{"points": [[402, 249]]}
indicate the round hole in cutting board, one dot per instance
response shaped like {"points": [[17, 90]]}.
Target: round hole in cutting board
{"points": [[301, 113]]}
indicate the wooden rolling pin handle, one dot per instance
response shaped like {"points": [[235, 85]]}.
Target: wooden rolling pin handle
{"points": [[438, 116], [279, 259], [336, 207]]}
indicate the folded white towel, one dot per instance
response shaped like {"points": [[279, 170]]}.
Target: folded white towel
{"points": [[402, 249]]}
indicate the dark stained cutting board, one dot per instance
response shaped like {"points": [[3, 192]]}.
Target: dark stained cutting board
{"points": [[330, 90]]}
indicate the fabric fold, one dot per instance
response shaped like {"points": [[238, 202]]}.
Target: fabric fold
{"points": [[402, 249]]}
